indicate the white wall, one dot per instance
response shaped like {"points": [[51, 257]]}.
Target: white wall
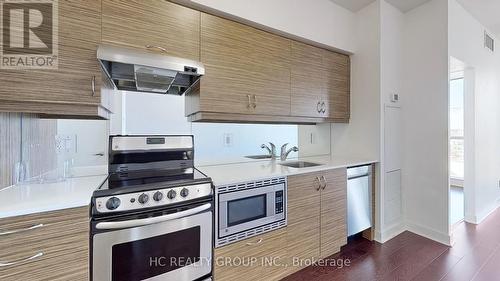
{"points": [[424, 102], [321, 21], [361, 137], [391, 209], [482, 143], [164, 114], [83, 140]]}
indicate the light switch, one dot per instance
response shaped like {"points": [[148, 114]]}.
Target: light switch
{"points": [[228, 139]]}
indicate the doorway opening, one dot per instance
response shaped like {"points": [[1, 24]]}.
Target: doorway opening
{"points": [[456, 142]]}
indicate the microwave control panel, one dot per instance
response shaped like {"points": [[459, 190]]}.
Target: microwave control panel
{"points": [[278, 202]]}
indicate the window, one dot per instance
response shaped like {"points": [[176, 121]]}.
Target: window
{"points": [[457, 128]]}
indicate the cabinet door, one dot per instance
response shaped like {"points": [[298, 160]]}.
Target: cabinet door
{"points": [[308, 80], [158, 23], [337, 86], [62, 238], [78, 72], [247, 70], [303, 240], [333, 212], [320, 83], [251, 259]]}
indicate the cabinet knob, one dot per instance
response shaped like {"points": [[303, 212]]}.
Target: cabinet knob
{"points": [[318, 107], [323, 107]]}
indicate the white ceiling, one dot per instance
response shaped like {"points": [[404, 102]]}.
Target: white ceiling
{"points": [[403, 5], [486, 11]]}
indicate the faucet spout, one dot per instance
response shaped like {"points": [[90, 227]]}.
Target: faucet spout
{"points": [[284, 152]]}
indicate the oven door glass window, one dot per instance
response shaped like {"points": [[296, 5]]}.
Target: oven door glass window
{"points": [[246, 209], [146, 258]]}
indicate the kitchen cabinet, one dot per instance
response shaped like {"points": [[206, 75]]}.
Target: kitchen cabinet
{"points": [[161, 24], [319, 83], [73, 89], [316, 215], [247, 70], [46, 246], [259, 77], [261, 257]]}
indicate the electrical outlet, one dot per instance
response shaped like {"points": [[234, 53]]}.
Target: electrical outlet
{"points": [[228, 139], [394, 97]]}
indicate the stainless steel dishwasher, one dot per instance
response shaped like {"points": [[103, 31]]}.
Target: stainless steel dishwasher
{"points": [[359, 187]]}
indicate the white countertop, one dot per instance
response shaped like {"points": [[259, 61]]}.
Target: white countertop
{"points": [[261, 169], [26, 199]]}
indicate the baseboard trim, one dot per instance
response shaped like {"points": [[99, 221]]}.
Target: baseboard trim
{"points": [[432, 234], [478, 218], [390, 232]]}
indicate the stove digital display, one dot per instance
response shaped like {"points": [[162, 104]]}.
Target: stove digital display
{"points": [[155, 140]]}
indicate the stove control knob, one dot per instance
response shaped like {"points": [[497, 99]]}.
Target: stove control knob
{"points": [[113, 203], [171, 194], [184, 192], [158, 196], [143, 198]]}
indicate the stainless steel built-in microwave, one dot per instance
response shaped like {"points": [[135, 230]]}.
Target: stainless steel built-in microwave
{"points": [[248, 209]]}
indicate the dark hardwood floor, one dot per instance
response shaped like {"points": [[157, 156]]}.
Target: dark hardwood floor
{"points": [[474, 256]]}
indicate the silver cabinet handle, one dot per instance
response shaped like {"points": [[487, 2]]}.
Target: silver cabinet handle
{"points": [[93, 86], [318, 107], [255, 243], [254, 101], [319, 183], [21, 230], [99, 154], [249, 101], [323, 107], [156, 47], [325, 182], [3, 264], [152, 220]]}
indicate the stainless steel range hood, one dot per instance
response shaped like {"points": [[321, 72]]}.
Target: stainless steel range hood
{"points": [[148, 71]]}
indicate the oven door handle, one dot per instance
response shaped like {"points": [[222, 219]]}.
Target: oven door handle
{"points": [[153, 220]]}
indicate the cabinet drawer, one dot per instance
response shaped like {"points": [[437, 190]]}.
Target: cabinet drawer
{"points": [[262, 257], [59, 248]]}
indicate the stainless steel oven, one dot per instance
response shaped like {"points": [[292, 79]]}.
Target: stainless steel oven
{"points": [[250, 208], [164, 245]]}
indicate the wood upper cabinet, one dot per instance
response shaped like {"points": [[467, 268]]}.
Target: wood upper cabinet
{"points": [[260, 250], [58, 245], [73, 88], [247, 70], [319, 83], [317, 225], [137, 23]]}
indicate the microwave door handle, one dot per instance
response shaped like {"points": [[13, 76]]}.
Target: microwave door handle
{"points": [[153, 220]]}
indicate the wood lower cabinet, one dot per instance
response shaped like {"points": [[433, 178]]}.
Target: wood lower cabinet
{"points": [[59, 248], [333, 229], [74, 87], [163, 24], [261, 257], [317, 226]]}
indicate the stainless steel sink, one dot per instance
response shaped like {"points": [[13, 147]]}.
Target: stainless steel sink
{"points": [[300, 164], [267, 156]]}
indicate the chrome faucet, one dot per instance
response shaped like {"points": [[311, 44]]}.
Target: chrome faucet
{"points": [[271, 151], [284, 152]]}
